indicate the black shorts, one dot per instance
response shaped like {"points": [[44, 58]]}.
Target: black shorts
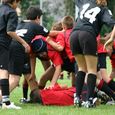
{"points": [[68, 66], [83, 42], [19, 62], [102, 61], [4, 58]]}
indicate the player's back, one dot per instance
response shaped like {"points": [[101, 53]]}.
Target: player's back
{"points": [[90, 18]]}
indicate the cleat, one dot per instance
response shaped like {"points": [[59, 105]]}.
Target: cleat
{"points": [[24, 100], [104, 98], [91, 103], [77, 102], [11, 106], [111, 102]]}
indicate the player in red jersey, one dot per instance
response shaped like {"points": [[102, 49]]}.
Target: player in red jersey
{"points": [[62, 45]]}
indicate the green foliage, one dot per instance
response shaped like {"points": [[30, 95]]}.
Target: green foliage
{"points": [[69, 10], [47, 21], [111, 5], [69, 7], [26, 3]]}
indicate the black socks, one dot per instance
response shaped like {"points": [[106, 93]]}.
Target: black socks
{"points": [[79, 82], [111, 84], [4, 83], [91, 82], [25, 90], [104, 87]]}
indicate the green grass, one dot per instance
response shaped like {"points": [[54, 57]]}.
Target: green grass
{"points": [[37, 109]]}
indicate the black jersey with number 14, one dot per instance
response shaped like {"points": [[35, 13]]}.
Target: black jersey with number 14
{"points": [[92, 17]]}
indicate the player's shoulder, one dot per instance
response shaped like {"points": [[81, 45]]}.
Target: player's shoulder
{"points": [[7, 8]]}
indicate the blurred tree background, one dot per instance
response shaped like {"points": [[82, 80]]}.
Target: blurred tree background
{"points": [[54, 10], [69, 7]]}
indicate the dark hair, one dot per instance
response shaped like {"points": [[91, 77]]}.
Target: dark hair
{"points": [[10, 1], [33, 12], [35, 96], [38, 45]]}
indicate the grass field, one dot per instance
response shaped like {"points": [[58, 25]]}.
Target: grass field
{"points": [[36, 109]]}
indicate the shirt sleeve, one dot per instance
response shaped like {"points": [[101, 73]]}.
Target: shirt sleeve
{"points": [[78, 3], [60, 39], [55, 58], [12, 21], [42, 30], [107, 18]]}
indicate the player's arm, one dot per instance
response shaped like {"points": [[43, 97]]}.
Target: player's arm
{"points": [[53, 33], [108, 45], [113, 34], [55, 76], [55, 45], [11, 27], [19, 39], [105, 38], [33, 66]]}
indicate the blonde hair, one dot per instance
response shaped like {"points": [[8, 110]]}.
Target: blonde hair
{"points": [[101, 2]]}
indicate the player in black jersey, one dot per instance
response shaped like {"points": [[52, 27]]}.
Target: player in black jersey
{"points": [[26, 29], [8, 24], [92, 16]]}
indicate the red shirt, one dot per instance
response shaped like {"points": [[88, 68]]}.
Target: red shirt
{"points": [[100, 46], [54, 55], [58, 96], [112, 57], [63, 39]]}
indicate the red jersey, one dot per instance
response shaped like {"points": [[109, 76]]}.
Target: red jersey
{"points": [[52, 53], [112, 57], [100, 46], [38, 37], [55, 57], [63, 39], [61, 96], [58, 96]]}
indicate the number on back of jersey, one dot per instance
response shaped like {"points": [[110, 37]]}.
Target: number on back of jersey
{"points": [[21, 32], [89, 14]]}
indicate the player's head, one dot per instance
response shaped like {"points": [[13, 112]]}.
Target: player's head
{"points": [[39, 47], [14, 3], [68, 22], [57, 26], [35, 96], [33, 12], [10, 1], [101, 2]]}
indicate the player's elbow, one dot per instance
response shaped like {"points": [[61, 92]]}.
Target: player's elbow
{"points": [[10, 33], [60, 49]]}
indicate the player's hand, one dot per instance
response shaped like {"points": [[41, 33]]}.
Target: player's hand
{"points": [[48, 39], [102, 40], [49, 87], [27, 47], [32, 77], [108, 45]]}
